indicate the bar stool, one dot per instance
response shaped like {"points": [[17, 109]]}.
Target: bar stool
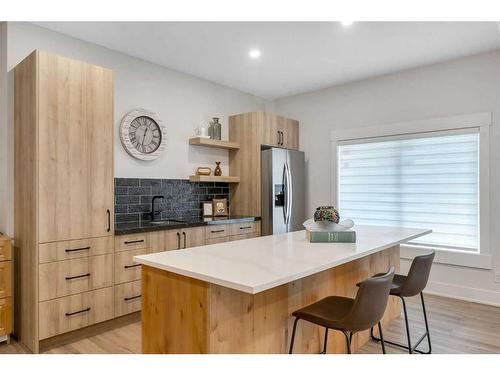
{"points": [[409, 286], [349, 315]]}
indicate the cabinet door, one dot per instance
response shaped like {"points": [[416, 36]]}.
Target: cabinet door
{"points": [[271, 129], [5, 316], [194, 237], [173, 239], [75, 149], [100, 108], [290, 133]]}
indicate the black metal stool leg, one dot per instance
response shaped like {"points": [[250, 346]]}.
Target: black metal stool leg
{"points": [[325, 342], [381, 336], [293, 335], [426, 324], [410, 349], [348, 341]]}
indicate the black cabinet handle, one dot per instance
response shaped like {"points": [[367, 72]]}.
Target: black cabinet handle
{"points": [[246, 227], [279, 137], [218, 231], [282, 137], [77, 249], [184, 234], [77, 277], [78, 312], [131, 298], [178, 240], [131, 266], [109, 219], [135, 241]]}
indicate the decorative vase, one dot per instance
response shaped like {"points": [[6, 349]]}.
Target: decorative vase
{"points": [[215, 129], [327, 213], [217, 170]]}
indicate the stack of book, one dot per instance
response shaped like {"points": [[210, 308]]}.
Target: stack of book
{"points": [[331, 236]]}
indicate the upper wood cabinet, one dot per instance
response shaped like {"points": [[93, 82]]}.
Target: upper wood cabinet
{"points": [[253, 130], [75, 149], [279, 131]]}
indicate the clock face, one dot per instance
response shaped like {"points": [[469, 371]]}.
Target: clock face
{"points": [[145, 134]]}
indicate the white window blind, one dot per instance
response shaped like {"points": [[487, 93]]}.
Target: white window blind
{"points": [[426, 180]]}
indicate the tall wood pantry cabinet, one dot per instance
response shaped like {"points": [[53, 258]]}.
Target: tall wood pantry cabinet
{"points": [[63, 196], [252, 131]]}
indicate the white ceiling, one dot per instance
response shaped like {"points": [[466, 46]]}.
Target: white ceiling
{"points": [[296, 56]]}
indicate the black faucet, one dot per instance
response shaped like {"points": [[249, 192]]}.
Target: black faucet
{"points": [[153, 212]]}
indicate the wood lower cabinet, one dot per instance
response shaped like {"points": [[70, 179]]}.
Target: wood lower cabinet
{"points": [[64, 203], [127, 298], [77, 311], [252, 131], [6, 270], [127, 274]]}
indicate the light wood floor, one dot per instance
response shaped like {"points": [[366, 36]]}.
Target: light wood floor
{"points": [[456, 327]]}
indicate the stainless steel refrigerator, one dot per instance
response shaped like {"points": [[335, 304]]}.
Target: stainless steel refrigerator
{"points": [[283, 190]]}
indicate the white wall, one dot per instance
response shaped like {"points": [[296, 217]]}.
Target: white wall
{"points": [[180, 100], [460, 86]]}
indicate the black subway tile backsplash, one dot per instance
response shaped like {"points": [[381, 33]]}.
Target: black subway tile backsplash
{"points": [[183, 198]]}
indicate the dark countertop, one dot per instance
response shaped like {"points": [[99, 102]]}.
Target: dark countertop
{"points": [[178, 223]]}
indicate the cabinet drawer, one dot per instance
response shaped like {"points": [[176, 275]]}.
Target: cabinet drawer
{"points": [[243, 236], [5, 250], [241, 228], [5, 279], [216, 231], [127, 298], [65, 250], [67, 277], [69, 313], [125, 268], [5, 316], [212, 241], [132, 242]]}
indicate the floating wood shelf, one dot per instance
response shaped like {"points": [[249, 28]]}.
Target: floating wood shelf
{"points": [[230, 179], [207, 142]]}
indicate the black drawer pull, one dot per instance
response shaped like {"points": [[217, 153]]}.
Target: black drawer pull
{"points": [[131, 266], [135, 241], [77, 277], [131, 298], [218, 231], [77, 249], [246, 227], [78, 312]]}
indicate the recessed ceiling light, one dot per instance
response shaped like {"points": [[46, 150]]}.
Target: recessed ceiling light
{"points": [[254, 54], [346, 23]]}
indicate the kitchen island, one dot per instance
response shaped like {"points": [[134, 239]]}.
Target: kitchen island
{"points": [[237, 297]]}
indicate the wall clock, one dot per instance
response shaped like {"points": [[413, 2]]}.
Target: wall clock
{"points": [[143, 134]]}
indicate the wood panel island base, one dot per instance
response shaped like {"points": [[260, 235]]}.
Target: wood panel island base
{"points": [[238, 297]]}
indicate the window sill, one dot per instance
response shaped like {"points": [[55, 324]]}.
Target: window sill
{"points": [[455, 258]]}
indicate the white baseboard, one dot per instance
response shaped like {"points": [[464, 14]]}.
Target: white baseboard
{"points": [[483, 296]]}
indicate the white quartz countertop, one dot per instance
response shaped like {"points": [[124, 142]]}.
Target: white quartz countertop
{"points": [[257, 264]]}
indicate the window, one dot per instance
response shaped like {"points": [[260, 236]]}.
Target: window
{"points": [[425, 180]]}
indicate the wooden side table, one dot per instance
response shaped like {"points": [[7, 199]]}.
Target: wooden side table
{"points": [[5, 288]]}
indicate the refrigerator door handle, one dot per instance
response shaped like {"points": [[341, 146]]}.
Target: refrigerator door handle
{"points": [[285, 194], [289, 193]]}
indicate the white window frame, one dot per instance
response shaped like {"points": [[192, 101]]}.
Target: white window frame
{"points": [[481, 121]]}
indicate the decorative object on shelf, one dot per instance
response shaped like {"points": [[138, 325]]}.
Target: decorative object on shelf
{"points": [[215, 129], [220, 207], [327, 227], [202, 131], [217, 170], [143, 134], [208, 209], [204, 171], [327, 213]]}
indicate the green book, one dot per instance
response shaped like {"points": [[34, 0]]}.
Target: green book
{"points": [[344, 236]]}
